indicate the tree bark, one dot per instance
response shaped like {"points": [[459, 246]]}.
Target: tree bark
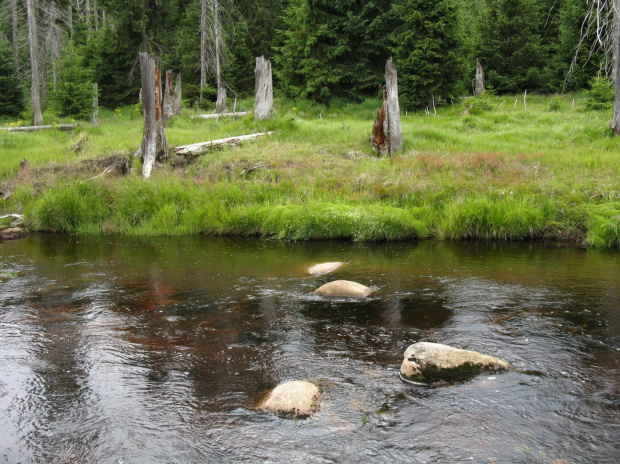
{"points": [[154, 144], [220, 104], [379, 139], [177, 104], [479, 85], [203, 46], [15, 35], [263, 89], [615, 123], [94, 118], [34, 63], [394, 129], [168, 97]]}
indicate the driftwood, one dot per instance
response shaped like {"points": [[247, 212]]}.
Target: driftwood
{"points": [[387, 133], [196, 149], [263, 89], [154, 144], [479, 81], [238, 114], [62, 127]]}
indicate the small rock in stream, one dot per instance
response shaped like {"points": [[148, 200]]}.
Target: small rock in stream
{"points": [[12, 233], [324, 268], [432, 362], [297, 399], [344, 289]]}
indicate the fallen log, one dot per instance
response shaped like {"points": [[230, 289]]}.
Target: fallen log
{"points": [[196, 149], [62, 127], [238, 114]]}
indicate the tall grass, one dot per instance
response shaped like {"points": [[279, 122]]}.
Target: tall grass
{"points": [[504, 174]]}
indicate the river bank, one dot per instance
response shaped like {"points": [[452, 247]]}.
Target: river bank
{"points": [[507, 173]]}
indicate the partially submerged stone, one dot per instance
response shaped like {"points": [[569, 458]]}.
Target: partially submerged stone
{"points": [[324, 268], [12, 233], [294, 399], [344, 288], [433, 362]]}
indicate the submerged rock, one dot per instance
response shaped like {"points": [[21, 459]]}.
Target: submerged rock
{"points": [[324, 268], [294, 399], [12, 233], [433, 362], [344, 288]]}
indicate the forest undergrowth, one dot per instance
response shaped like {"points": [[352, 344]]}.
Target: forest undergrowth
{"points": [[550, 171]]}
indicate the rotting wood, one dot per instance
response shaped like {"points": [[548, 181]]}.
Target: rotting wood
{"points": [[479, 80], [263, 89], [62, 127], [154, 144], [196, 149], [379, 132], [177, 104], [238, 114]]}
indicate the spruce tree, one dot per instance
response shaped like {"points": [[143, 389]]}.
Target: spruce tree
{"points": [[11, 93], [72, 95], [428, 51]]}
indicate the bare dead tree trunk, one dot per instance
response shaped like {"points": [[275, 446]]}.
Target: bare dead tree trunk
{"points": [[94, 118], [203, 46], [395, 131], [220, 104], [479, 85], [263, 89], [615, 122], [177, 104], [96, 13], [168, 97], [70, 19], [15, 34], [154, 143], [88, 21], [34, 63]]}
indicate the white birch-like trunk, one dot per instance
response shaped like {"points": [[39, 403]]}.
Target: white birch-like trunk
{"points": [[203, 46], [34, 63], [263, 89], [479, 85], [615, 123], [154, 144], [394, 128], [15, 34], [220, 104]]}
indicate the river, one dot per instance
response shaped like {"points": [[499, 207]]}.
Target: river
{"points": [[157, 350]]}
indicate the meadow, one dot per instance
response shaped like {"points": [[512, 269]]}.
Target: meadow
{"points": [[550, 171]]}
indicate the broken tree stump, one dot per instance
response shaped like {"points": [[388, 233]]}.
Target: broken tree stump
{"points": [[387, 133], [177, 103], [94, 118], [168, 97], [479, 81], [154, 144], [263, 89]]}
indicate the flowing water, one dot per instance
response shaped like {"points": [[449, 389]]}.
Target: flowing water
{"points": [[118, 350]]}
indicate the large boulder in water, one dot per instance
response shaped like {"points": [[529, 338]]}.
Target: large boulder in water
{"points": [[433, 362], [344, 288], [294, 399], [324, 268]]}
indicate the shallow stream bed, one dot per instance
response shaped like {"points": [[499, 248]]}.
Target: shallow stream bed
{"points": [[119, 350]]}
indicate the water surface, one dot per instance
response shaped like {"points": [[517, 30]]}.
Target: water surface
{"points": [[158, 350]]}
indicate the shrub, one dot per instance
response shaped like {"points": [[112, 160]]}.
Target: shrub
{"points": [[72, 95], [601, 94]]}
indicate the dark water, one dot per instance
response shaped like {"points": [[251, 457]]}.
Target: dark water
{"points": [[153, 351]]}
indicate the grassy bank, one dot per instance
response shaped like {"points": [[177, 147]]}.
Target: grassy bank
{"points": [[506, 173]]}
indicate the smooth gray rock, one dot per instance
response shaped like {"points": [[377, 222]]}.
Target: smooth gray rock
{"points": [[294, 399], [433, 362], [344, 288]]}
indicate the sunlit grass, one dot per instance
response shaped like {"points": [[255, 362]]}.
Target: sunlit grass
{"points": [[503, 174]]}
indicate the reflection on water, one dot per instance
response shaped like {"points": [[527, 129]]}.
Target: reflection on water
{"points": [[143, 351]]}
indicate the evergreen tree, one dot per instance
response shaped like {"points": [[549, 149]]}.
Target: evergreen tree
{"points": [[72, 95], [510, 45], [428, 51], [11, 94], [334, 48]]}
